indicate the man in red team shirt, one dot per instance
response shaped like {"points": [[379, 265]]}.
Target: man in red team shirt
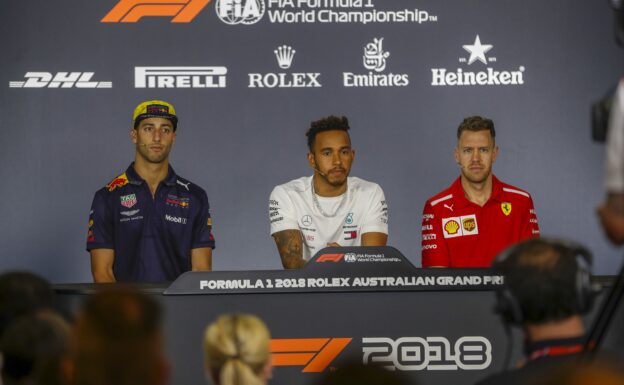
{"points": [[478, 216]]}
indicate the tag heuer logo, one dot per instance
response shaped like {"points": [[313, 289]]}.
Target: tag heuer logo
{"points": [[128, 200]]}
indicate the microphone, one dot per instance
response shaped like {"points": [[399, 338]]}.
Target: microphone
{"points": [[319, 171]]}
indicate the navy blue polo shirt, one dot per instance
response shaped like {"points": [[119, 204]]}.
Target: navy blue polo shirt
{"points": [[152, 236]]}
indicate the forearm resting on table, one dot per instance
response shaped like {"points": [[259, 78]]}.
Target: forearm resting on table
{"points": [[374, 239]]}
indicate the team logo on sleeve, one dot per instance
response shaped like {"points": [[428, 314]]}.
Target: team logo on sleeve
{"points": [[460, 226], [506, 208], [90, 235], [128, 200], [120, 181]]}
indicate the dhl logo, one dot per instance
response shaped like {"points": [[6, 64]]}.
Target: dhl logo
{"points": [[315, 354], [330, 258], [131, 11]]}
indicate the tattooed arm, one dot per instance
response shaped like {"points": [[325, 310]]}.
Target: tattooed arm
{"points": [[290, 246]]}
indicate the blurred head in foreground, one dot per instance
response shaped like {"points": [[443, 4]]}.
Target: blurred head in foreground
{"points": [[117, 341], [236, 348]]}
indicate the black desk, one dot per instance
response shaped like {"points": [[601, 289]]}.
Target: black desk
{"points": [[441, 334]]}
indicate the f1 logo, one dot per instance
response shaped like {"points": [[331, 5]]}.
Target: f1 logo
{"points": [[330, 258], [314, 353], [131, 11]]}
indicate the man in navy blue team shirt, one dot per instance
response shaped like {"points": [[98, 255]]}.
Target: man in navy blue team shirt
{"points": [[149, 224]]}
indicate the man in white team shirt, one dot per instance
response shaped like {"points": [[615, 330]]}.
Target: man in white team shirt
{"points": [[328, 208]]}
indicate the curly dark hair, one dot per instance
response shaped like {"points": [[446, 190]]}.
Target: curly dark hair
{"points": [[476, 123], [329, 123]]}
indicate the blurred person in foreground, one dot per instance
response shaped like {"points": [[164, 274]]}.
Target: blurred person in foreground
{"points": [[117, 340], [597, 373], [236, 348], [547, 289], [23, 293], [354, 372], [611, 212], [33, 347]]}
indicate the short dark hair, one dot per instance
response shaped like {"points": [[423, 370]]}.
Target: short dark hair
{"points": [[23, 293], [542, 277], [117, 339], [33, 347], [476, 123], [329, 123]]}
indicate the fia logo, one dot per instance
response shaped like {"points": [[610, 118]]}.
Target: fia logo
{"points": [[349, 219], [240, 11]]}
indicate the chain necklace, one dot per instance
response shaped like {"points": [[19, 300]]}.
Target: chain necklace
{"points": [[318, 205]]}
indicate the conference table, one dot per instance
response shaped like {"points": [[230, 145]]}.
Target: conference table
{"points": [[362, 304]]}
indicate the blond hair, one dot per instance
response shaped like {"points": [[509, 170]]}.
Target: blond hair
{"points": [[236, 348]]}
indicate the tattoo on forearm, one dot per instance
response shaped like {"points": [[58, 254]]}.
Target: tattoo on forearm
{"points": [[290, 247]]}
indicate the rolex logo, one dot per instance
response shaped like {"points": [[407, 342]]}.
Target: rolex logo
{"points": [[284, 55]]}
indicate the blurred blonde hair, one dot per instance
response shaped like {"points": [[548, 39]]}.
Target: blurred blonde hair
{"points": [[236, 348]]}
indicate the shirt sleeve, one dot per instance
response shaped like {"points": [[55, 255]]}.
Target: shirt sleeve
{"points": [[614, 166], [530, 227], [376, 220], [202, 226], [101, 233], [282, 213], [434, 250]]}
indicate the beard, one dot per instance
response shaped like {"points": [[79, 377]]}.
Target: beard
{"points": [[150, 157]]}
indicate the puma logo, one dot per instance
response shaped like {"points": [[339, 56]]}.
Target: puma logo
{"points": [[448, 207], [186, 184]]}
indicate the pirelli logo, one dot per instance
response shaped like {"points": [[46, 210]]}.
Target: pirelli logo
{"points": [[330, 258], [180, 77], [131, 11], [314, 354]]}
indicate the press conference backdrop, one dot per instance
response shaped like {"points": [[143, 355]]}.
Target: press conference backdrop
{"points": [[248, 76]]}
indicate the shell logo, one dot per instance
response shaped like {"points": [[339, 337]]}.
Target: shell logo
{"points": [[451, 227]]}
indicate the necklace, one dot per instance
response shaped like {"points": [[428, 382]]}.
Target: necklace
{"points": [[318, 205]]}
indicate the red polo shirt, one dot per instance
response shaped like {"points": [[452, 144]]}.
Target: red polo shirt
{"points": [[459, 233]]}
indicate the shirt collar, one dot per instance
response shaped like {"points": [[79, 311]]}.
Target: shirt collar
{"points": [[460, 196], [135, 179]]}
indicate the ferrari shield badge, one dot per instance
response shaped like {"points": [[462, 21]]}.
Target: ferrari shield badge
{"points": [[506, 207]]}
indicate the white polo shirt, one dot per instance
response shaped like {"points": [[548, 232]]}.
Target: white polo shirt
{"points": [[362, 209]]}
